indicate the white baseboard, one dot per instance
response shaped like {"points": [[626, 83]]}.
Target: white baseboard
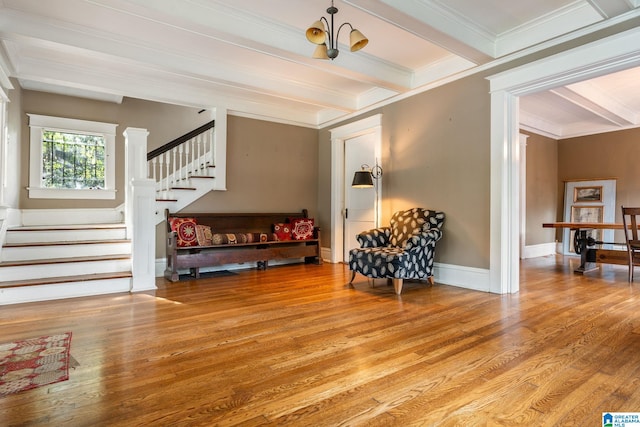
{"points": [[325, 254], [543, 249], [476, 279]]}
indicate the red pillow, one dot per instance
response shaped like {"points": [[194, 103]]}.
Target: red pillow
{"points": [[302, 228], [282, 231], [185, 228]]}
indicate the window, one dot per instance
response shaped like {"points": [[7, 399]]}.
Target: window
{"points": [[71, 159]]}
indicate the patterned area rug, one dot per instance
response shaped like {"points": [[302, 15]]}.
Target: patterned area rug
{"points": [[34, 362]]}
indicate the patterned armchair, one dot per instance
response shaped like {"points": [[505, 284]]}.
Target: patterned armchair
{"points": [[404, 250]]}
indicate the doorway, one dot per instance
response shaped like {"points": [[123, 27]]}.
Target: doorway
{"points": [[616, 53], [353, 210]]}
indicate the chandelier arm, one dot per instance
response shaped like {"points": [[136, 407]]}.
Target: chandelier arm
{"points": [[327, 33], [339, 28]]}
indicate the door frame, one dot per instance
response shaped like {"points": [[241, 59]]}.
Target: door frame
{"points": [[615, 53], [371, 124]]}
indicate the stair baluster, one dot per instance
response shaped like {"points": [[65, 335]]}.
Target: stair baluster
{"points": [[167, 165], [174, 164], [181, 165]]}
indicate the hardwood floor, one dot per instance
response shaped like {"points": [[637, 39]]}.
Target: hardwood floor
{"points": [[294, 346]]}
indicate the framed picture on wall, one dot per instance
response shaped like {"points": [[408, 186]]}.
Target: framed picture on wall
{"points": [[587, 194]]}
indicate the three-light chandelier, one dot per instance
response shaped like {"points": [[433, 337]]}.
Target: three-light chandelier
{"points": [[327, 41]]}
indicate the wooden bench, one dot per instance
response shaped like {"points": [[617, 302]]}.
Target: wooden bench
{"points": [[196, 257]]}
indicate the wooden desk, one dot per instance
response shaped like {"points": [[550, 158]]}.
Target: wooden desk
{"points": [[585, 245]]}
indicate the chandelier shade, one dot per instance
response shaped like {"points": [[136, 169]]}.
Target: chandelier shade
{"points": [[327, 39], [357, 40], [316, 33], [321, 52]]}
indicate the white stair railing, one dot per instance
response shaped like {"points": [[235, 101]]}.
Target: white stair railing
{"points": [[175, 163]]}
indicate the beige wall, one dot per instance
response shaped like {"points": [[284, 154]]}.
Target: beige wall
{"points": [[603, 156], [436, 155], [271, 167], [541, 188], [551, 163]]}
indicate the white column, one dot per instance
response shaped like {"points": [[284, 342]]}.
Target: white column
{"points": [[220, 148], [144, 237], [504, 271], [139, 210]]}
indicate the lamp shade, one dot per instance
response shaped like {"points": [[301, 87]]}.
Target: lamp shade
{"points": [[357, 40], [316, 33], [362, 179], [321, 52]]}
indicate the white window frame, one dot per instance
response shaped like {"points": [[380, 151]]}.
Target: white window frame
{"points": [[37, 125]]}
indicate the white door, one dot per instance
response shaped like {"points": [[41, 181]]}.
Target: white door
{"points": [[360, 203]]}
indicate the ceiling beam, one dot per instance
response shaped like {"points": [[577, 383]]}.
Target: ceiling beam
{"points": [[610, 8], [435, 24], [587, 97]]}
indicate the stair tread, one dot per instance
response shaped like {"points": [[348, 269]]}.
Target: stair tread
{"points": [[64, 260], [65, 227], [66, 279], [66, 243]]}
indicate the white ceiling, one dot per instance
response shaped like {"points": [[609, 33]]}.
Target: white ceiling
{"points": [[252, 57]]}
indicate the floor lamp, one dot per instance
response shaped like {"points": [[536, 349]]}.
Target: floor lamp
{"points": [[368, 177]]}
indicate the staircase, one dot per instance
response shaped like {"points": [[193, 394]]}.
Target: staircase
{"points": [[184, 169], [55, 254], [43, 262]]}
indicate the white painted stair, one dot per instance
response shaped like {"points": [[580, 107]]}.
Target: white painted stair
{"points": [[44, 262]]}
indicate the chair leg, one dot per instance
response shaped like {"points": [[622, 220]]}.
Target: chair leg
{"points": [[432, 281], [353, 276], [397, 285]]}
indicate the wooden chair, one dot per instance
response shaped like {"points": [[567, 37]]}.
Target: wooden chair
{"points": [[630, 223]]}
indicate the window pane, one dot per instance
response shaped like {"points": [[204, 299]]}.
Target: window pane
{"points": [[71, 160]]}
